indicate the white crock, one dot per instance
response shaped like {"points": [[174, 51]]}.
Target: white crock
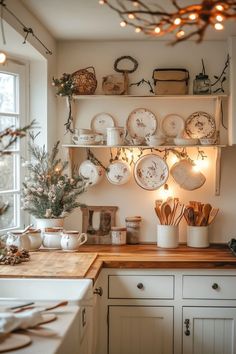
{"points": [[19, 239]]}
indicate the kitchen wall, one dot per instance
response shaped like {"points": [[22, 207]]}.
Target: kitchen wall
{"points": [[131, 199]]}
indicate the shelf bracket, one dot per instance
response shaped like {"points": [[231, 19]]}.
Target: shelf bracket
{"points": [[217, 171]]}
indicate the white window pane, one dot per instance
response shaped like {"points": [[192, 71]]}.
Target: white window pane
{"points": [[7, 172], [8, 122], [8, 219], [7, 92]]}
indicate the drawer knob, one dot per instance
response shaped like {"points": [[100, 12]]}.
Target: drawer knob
{"points": [[98, 291], [140, 286], [215, 286]]}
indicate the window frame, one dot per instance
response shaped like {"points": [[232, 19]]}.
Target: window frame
{"points": [[20, 154]]}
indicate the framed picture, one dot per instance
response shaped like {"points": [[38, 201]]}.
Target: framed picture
{"points": [[97, 222]]}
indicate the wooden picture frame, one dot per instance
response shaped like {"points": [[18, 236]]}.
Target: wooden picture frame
{"points": [[97, 222]]}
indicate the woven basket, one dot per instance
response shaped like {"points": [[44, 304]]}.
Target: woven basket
{"points": [[85, 82]]}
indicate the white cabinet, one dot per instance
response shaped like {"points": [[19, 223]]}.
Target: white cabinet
{"points": [[167, 312], [140, 330], [209, 330]]}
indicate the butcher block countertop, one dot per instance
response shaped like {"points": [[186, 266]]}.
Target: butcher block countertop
{"points": [[90, 259]]}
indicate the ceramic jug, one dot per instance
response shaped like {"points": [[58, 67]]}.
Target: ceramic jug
{"points": [[72, 240], [115, 136], [19, 239]]}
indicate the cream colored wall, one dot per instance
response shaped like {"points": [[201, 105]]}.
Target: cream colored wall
{"points": [[131, 199]]}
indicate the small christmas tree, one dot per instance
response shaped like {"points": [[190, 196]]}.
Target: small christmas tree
{"points": [[47, 191]]}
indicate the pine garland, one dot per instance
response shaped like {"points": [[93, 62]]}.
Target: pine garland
{"points": [[47, 191]]}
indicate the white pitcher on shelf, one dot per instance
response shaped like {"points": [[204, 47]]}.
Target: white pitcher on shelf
{"points": [[115, 136]]}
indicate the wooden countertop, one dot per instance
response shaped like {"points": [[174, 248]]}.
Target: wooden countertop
{"points": [[92, 258]]}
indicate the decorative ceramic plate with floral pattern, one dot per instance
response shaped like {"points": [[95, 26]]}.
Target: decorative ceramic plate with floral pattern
{"points": [[173, 125], [141, 122], [151, 172], [200, 125], [101, 122], [119, 172]]}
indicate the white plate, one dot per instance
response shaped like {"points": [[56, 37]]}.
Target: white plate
{"points": [[200, 125], [92, 172], [172, 125], [141, 122], [101, 122], [151, 172], [119, 172]]}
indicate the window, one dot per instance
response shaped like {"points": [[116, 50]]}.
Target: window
{"points": [[12, 114]]}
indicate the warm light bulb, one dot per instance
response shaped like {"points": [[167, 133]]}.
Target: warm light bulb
{"points": [[218, 26], [135, 3], [3, 58], [123, 24], [131, 16], [200, 165], [101, 2], [173, 159], [165, 192], [157, 30], [137, 29], [180, 34], [193, 16], [220, 18], [219, 7], [177, 21]]}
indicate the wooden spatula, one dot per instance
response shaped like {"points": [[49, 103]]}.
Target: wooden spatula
{"points": [[212, 216], [206, 212]]}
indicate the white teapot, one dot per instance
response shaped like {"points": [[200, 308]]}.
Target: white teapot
{"points": [[72, 240], [19, 239]]}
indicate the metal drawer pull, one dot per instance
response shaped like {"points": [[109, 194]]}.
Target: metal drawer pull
{"points": [[84, 318], [140, 286], [187, 331], [215, 286], [98, 291]]}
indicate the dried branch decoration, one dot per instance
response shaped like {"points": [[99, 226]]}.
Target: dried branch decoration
{"points": [[184, 22]]}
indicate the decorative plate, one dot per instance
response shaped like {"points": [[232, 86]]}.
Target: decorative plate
{"points": [[151, 172], [91, 171], [141, 122], [119, 172], [101, 122], [172, 125], [200, 125]]}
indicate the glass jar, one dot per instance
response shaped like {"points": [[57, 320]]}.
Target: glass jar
{"points": [[201, 85], [133, 229]]}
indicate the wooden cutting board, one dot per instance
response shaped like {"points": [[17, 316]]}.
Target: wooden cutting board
{"points": [[51, 264], [13, 341]]}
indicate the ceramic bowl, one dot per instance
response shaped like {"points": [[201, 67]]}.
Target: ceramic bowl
{"points": [[207, 141], [185, 142]]}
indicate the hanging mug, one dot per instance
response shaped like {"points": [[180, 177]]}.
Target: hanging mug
{"points": [[115, 136]]}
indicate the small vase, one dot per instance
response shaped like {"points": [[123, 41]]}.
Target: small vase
{"points": [[48, 223]]}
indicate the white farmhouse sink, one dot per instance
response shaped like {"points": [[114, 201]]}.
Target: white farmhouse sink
{"points": [[72, 290]]}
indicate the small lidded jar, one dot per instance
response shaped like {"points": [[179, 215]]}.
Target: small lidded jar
{"points": [[118, 235], [133, 229], [51, 237], [201, 85]]}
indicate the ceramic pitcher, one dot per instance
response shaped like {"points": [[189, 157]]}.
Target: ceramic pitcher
{"points": [[72, 240], [19, 239], [115, 136]]}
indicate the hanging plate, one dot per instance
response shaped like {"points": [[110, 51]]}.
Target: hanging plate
{"points": [[119, 172], [151, 172], [92, 172], [200, 125], [141, 122], [101, 122]]}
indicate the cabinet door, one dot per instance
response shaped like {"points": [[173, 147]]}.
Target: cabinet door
{"points": [[140, 330], [209, 330]]}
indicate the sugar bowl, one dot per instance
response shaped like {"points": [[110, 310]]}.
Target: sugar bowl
{"points": [[51, 237], [18, 238]]}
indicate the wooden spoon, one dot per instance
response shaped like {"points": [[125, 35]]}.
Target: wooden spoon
{"points": [[206, 212], [167, 212], [212, 216]]}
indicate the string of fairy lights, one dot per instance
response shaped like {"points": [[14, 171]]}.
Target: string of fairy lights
{"points": [[183, 22]]}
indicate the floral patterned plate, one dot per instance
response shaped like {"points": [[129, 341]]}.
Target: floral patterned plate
{"points": [[141, 122], [200, 125], [151, 172], [119, 172], [101, 122], [173, 125], [92, 172]]}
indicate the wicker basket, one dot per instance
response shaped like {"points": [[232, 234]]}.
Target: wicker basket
{"points": [[85, 82]]}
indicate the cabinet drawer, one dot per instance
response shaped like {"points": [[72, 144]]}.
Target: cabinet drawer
{"points": [[141, 287], [209, 287]]}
